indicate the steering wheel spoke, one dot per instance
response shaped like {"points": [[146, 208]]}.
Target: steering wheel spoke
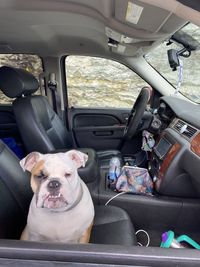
{"points": [[137, 112]]}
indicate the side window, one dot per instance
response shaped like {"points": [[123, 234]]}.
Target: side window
{"points": [[97, 82], [31, 63]]}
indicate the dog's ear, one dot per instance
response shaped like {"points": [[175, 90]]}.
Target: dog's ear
{"points": [[78, 157], [30, 160]]}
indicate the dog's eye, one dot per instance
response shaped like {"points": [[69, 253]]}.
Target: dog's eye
{"points": [[67, 175], [41, 176]]}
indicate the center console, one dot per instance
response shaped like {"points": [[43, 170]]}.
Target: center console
{"points": [[169, 207], [162, 147], [174, 166], [161, 159]]}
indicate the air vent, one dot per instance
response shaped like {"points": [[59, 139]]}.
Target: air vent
{"points": [[189, 132], [178, 125], [184, 129]]}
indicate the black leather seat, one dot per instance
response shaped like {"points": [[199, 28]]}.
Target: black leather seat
{"points": [[15, 194], [40, 127], [112, 225]]}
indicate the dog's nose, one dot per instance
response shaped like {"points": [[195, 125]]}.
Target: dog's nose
{"points": [[53, 185]]}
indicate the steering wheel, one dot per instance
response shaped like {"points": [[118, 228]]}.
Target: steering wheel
{"points": [[137, 113]]}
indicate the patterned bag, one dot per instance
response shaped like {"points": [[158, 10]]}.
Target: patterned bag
{"points": [[134, 180]]}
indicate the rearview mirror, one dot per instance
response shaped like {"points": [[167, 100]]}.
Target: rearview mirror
{"points": [[173, 58]]}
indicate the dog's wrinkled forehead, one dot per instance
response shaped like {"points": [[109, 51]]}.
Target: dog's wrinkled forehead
{"points": [[58, 163]]}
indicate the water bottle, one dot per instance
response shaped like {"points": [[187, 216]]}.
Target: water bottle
{"points": [[114, 169]]}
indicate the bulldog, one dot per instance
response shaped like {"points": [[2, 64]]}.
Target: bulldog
{"points": [[61, 209]]}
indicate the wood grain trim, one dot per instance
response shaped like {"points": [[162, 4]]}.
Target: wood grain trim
{"points": [[167, 161], [195, 145]]}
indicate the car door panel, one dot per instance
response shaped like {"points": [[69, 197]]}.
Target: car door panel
{"points": [[98, 128], [95, 119], [103, 129], [99, 137], [107, 94], [34, 254]]}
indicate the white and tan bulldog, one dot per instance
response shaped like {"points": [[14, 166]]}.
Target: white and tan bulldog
{"points": [[61, 209]]}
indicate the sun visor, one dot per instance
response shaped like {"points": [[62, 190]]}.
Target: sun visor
{"points": [[185, 9]]}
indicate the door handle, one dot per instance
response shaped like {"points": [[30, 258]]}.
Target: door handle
{"points": [[103, 133]]}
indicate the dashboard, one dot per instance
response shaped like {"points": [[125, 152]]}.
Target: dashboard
{"points": [[172, 106], [175, 159]]}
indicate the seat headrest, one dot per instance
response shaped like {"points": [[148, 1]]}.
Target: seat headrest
{"points": [[17, 82]]}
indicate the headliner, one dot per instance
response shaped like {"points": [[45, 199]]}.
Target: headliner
{"points": [[57, 27]]}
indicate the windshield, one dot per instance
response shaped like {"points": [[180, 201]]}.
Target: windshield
{"points": [[190, 85]]}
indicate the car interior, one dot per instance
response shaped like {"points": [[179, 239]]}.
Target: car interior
{"points": [[39, 115]]}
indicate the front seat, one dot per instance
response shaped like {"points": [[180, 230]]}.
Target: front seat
{"points": [[112, 225], [40, 127]]}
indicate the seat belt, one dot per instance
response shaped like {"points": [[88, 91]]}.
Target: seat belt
{"points": [[42, 77], [52, 86]]}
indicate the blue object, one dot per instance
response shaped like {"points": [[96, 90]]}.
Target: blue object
{"points": [[16, 148], [168, 240], [114, 169]]}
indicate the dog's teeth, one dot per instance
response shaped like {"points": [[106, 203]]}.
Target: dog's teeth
{"points": [[55, 196]]}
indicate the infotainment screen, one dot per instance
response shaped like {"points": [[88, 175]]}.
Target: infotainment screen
{"points": [[162, 147]]}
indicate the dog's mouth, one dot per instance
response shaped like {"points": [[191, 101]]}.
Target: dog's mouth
{"points": [[54, 197], [52, 201]]}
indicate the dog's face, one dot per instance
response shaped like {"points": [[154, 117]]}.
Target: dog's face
{"points": [[54, 178]]}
